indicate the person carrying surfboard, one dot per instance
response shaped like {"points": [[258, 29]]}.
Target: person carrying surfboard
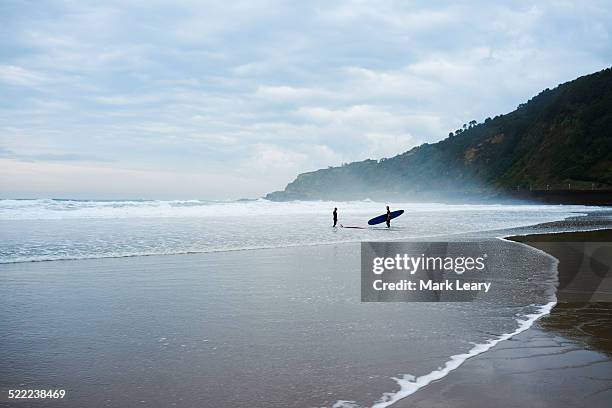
{"points": [[335, 216], [386, 217]]}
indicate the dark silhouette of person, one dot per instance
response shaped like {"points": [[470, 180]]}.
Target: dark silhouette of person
{"points": [[388, 217], [335, 216]]}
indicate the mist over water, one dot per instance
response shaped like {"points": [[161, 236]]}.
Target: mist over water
{"points": [[45, 229]]}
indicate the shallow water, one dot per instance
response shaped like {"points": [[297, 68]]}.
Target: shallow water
{"points": [[278, 327], [37, 230]]}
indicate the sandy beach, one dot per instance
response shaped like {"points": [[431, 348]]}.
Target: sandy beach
{"points": [[563, 360], [282, 327], [556, 363]]}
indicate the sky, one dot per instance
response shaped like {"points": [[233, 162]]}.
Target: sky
{"points": [[231, 99]]}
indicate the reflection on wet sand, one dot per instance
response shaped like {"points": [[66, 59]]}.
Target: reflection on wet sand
{"points": [[585, 263], [586, 323], [563, 360], [584, 309]]}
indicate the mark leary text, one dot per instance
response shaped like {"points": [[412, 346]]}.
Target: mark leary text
{"points": [[445, 285]]}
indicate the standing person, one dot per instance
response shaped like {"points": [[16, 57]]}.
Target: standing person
{"points": [[388, 217], [335, 216]]}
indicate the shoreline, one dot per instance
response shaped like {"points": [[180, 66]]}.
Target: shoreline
{"points": [[411, 385], [497, 233], [187, 266], [564, 322]]}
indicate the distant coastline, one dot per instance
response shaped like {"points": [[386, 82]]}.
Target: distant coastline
{"points": [[556, 148]]}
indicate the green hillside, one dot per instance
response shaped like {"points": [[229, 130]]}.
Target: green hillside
{"points": [[560, 139]]}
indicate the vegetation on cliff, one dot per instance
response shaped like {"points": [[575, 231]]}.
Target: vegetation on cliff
{"points": [[560, 139]]}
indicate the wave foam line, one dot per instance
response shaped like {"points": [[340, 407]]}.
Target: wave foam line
{"points": [[410, 384]]}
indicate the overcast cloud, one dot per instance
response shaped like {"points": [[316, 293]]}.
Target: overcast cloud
{"points": [[228, 99]]}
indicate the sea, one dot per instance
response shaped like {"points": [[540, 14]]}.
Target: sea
{"points": [[247, 303], [48, 229]]}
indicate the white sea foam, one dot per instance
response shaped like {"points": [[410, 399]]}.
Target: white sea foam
{"points": [[48, 209], [410, 384], [345, 404], [47, 230]]}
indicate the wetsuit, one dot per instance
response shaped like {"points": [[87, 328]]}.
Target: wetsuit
{"points": [[335, 217], [388, 218]]}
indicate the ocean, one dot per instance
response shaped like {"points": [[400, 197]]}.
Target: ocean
{"points": [[46, 229], [244, 304]]}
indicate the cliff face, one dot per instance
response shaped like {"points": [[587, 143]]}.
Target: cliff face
{"points": [[560, 139]]}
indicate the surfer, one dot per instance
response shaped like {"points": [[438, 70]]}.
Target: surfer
{"points": [[386, 217], [335, 216]]}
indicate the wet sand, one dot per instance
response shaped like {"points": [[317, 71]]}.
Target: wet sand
{"points": [[280, 327], [157, 331], [563, 360]]}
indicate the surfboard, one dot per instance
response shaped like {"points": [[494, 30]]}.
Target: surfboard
{"points": [[382, 218], [347, 226]]}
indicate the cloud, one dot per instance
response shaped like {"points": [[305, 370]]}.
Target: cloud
{"points": [[46, 179], [15, 75], [388, 145], [49, 157], [257, 91], [127, 99], [362, 123], [391, 15], [288, 93], [276, 162]]}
